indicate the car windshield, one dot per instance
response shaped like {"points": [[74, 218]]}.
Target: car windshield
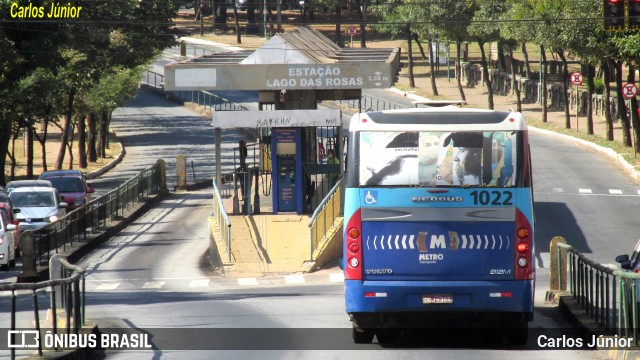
{"points": [[67, 184], [32, 199]]}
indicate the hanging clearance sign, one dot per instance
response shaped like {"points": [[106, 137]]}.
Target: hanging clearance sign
{"points": [[276, 118]]}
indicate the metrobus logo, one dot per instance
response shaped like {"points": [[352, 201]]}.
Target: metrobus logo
{"points": [[451, 240]]}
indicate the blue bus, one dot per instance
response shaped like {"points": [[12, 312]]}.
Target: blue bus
{"points": [[438, 215]]}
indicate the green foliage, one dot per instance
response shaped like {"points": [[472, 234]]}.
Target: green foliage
{"points": [[598, 86]]}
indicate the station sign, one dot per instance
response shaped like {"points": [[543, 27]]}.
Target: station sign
{"points": [[352, 75]]}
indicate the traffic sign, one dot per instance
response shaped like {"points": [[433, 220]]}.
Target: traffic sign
{"points": [[629, 90], [352, 31], [576, 78]]}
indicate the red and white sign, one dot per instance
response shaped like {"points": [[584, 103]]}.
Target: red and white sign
{"points": [[352, 31], [576, 78], [629, 91]]}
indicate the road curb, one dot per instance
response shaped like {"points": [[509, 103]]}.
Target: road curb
{"points": [[94, 174]]}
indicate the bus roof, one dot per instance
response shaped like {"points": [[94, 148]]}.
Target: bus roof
{"points": [[438, 119]]}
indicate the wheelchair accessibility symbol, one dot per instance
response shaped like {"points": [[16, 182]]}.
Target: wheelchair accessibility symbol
{"points": [[370, 198]]}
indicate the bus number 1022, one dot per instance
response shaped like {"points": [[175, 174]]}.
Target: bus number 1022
{"points": [[492, 197]]}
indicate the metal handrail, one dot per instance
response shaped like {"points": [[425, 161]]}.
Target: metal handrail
{"points": [[321, 221], [71, 293], [607, 295], [222, 218], [94, 215]]}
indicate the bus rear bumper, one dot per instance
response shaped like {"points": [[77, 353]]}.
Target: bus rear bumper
{"points": [[373, 303]]}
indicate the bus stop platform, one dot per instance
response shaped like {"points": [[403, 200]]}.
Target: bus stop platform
{"points": [[270, 244]]}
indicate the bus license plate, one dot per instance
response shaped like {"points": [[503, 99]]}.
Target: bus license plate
{"points": [[437, 299]]}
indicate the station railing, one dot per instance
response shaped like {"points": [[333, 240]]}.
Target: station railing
{"points": [[222, 219], [324, 217], [66, 293], [608, 296]]}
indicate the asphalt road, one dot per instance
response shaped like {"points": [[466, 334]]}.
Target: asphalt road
{"points": [[156, 273]]}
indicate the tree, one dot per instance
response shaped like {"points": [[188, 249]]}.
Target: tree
{"points": [[451, 19], [484, 31]]}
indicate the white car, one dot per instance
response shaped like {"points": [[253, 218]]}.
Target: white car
{"points": [[36, 207], [7, 243]]}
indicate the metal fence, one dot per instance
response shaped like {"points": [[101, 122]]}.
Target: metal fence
{"points": [[200, 97], [608, 296], [66, 293], [370, 103], [95, 215]]}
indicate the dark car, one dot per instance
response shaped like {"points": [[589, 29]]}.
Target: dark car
{"points": [[71, 186]]}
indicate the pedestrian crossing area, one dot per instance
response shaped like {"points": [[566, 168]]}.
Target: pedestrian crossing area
{"points": [[97, 285], [588, 191]]}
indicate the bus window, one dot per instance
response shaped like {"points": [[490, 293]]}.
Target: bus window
{"points": [[430, 158]]}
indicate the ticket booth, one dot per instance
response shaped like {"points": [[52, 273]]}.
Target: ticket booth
{"points": [[286, 160]]}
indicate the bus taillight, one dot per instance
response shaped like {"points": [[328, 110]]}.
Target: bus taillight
{"points": [[353, 241], [523, 249]]}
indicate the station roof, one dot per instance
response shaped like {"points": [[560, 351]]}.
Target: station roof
{"points": [[302, 59]]}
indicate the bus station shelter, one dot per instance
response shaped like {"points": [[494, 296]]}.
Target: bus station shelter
{"points": [[292, 73]]}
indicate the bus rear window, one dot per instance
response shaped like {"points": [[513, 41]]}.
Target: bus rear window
{"points": [[431, 158]]}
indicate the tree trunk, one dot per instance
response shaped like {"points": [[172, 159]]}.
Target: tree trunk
{"points": [[543, 81], [338, 11], [459, 70], [565, 89], [82, 142], [515, 84], [502, 62], [604, 65], [590, 91], [362, 9], [237, 22], [29, 150], [252, 27], [279, 16], [417, 40], [5, 138], [527, 66], [432, 71], [65, 129], [91, 138], [622, 107], [485, 74], [43, 142], [633, 111], [10, 154], [412, 82], [102, 135]]}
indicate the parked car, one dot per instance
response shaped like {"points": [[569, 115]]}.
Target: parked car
{"points": [[7, 243], [25, 183], [36, 207], [7, 208], [631, 263], [71, 185]]}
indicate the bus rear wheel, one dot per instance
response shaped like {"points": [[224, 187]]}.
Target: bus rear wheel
{"points": [[362, 336]]}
